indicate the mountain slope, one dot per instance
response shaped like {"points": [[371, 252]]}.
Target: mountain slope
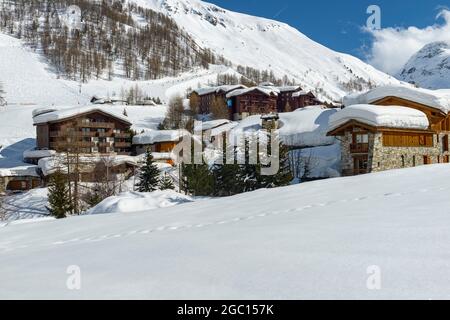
{"points": [[315, 240], [429, 67], [268, 44]]}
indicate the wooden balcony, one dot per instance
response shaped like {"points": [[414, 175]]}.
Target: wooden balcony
{"points": [[122, 135], [105, 125], [122, 144], [359, 148], [60, 134], [104, 144]]}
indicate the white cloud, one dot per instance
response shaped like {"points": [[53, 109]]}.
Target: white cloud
{"points": [[392, 47]]}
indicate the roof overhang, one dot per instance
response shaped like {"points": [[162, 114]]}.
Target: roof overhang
{"points": [[340, 130]]}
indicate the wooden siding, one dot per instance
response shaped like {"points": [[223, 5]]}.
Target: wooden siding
{"points": [[435, 116], [397, 139]]}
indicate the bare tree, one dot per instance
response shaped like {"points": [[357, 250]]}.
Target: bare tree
{"points": [[219, 109], [302, 164]]}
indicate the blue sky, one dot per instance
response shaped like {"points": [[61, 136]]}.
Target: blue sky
{"points": [[337, 24]]}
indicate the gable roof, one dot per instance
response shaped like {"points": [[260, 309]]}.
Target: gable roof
{"points": [[224, 89], [380, 117], [68, 113], [268, 91], [438, 100]]}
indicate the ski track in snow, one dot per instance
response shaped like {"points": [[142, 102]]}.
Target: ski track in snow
{"points": [[5, 246]]}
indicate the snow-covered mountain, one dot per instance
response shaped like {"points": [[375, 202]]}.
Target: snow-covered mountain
{"points": [[267, 44], [246, 41], [429, 67]]}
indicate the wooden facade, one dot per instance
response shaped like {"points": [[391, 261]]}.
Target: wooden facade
{"points": [[91, 132], [291, 100], [252, 103], [255, 102]]}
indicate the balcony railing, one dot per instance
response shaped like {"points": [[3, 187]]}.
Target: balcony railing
{"points": [[106, 125], [122, 135], [122, 144], [359, 148]]}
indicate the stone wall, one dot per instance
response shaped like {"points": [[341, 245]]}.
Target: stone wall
{"points": [[387, 158], [382, 158]]}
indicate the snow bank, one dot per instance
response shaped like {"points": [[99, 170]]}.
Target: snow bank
{"points": [[137, 201], [309, 241], [381, 116], [65, 113], [435, 99], [29, 205], [306, 127]]}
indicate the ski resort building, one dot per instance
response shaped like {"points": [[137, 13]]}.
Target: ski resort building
{"points": [[243, 102], [391, 128], [204, 97], [160, 142], [85, 130], [292, 98]]}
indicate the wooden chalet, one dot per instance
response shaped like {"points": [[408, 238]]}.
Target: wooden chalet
{"points": [[204, 97], [83, 130], [292, 98], [252, 101], [369, 147]]}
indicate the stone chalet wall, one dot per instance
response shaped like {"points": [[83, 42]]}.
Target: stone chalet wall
{"points": [[387, 158]]}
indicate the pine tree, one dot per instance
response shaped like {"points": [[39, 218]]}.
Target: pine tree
{"points": [[166, 183], [149, 176], [226, 180], [58, 196], [197, 179], [284, 175]]}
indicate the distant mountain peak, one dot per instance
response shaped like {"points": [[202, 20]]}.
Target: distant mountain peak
{"points": [[429, 67]]}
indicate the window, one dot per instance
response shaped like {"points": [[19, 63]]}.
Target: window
{"points": [[403, 161], [360, 138], [445, 143], [414, 161]]}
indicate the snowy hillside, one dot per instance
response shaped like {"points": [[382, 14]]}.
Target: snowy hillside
{"points": [[429, 67], [315, 240], [267, 44], [28, 81]]}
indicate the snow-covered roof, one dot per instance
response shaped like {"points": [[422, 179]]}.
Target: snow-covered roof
{"points": [[301, 93], [65, 113], [265, 90], [306, 127], [289, 88], [155, 136], [224, 88], [435, 99], [23, 170], [381, 116], [34, 153], [208, 125], [50, 165]]}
